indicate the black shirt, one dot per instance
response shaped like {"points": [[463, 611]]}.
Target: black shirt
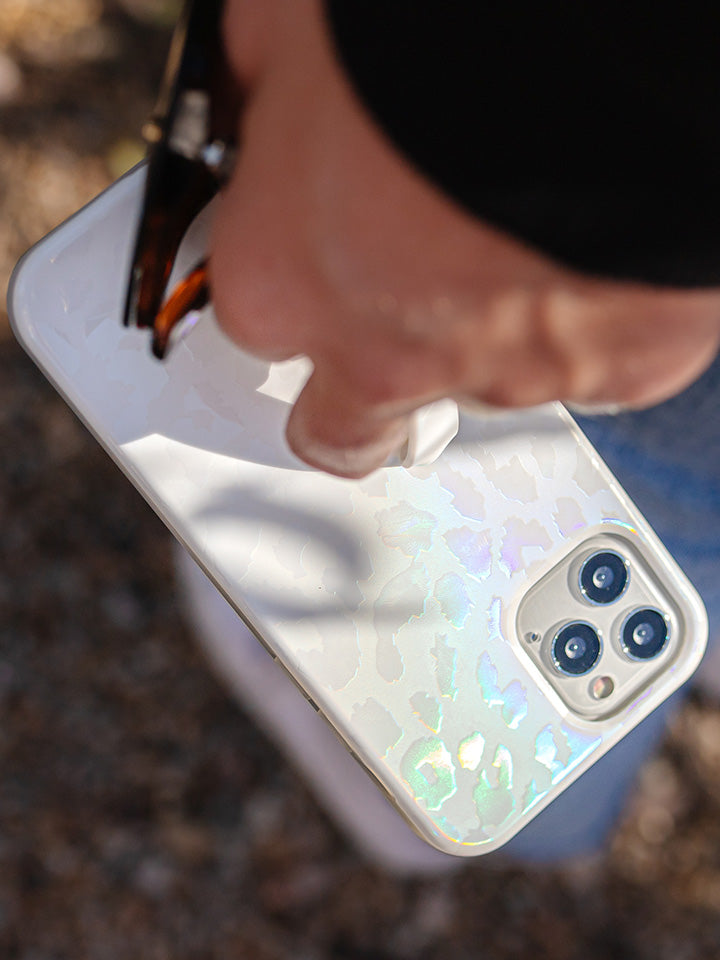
{"points": [[589, 130]]}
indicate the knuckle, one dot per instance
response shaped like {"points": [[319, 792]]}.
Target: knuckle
{"points": [[387, 378], [634, 347], [376, 386]]}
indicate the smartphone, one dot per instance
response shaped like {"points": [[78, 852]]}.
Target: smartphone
{"points": [[479, 631]]}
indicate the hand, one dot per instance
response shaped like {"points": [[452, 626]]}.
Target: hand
{"points": [[328, 243]]}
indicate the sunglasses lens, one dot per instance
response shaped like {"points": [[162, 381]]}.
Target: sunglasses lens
{"points": [[176, 192], [191, 142]]}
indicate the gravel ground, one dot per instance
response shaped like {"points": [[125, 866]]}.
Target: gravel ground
{"points": [[141, 814]]}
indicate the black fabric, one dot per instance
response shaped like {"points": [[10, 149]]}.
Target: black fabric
{"points": [[589, 130]]}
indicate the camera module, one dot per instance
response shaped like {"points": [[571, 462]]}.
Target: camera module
{"points": [[604, 577], [576, 649], [644, 634]]}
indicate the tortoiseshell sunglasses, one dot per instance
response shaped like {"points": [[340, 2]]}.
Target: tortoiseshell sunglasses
{"points": [[192, 145]]}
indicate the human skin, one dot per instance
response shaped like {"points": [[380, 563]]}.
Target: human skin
{"points": [[328, 243]]}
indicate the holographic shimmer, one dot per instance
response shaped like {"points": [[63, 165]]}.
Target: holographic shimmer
{"points": [[532, 795], [471, 750], [488, 680], [568, 516], [494, 616], [512, 700], [547, 751], [515, 704], [473, 550], [452, 594], [428, 769], [406, 529], [428, 711], [579, 745], [496, 801], [520, 536], [445, 658], [563, 750]]}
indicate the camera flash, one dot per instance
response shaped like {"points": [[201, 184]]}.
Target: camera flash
{"points": [[601, 688]]}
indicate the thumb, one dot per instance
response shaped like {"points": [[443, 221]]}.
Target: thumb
{"points": [[333, 432]]}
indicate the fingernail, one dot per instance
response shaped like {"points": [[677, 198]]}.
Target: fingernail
{"points": [[350, 462]]}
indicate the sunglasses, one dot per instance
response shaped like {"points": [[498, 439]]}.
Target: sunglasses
{"points": [[192, 144]]}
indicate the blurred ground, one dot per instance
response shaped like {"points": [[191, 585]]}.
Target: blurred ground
{"points": [[141, 814]]}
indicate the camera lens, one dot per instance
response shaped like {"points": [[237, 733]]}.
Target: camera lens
{"points": [[603, 577], [644, 634], [576, 649]]}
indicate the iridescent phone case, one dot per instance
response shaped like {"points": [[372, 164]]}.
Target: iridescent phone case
{"points": [[401, 604]]}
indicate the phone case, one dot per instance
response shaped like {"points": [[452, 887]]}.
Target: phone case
{"points": [[394, 601]]}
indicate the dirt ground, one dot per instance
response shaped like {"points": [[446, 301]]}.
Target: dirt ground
{"points": [[141, 813]]}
